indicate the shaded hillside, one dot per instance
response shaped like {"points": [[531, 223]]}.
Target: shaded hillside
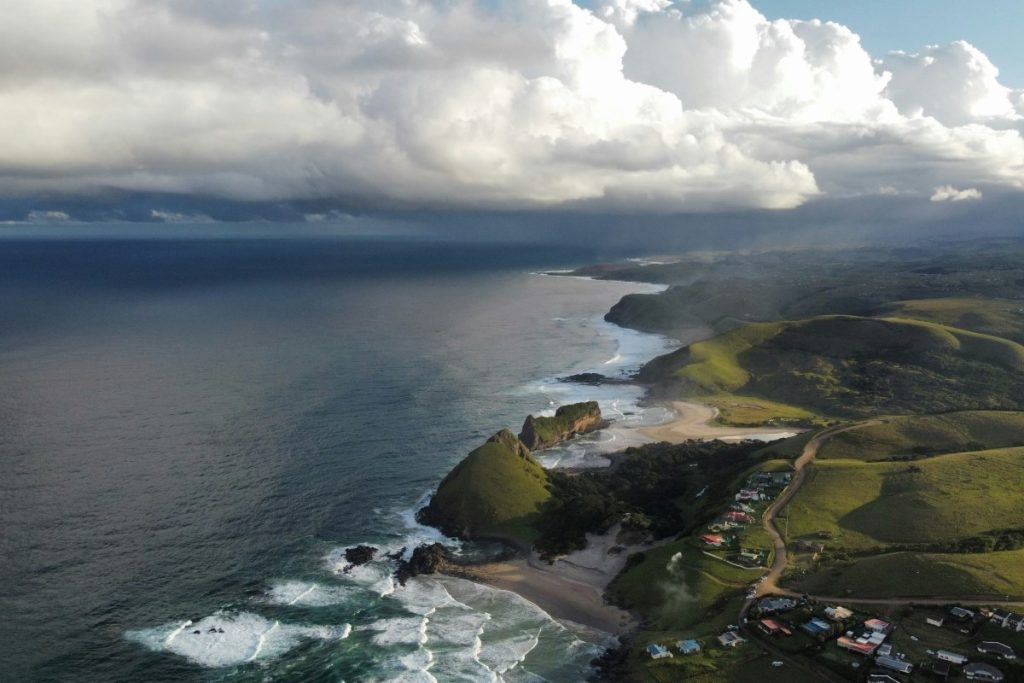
{"points": [[850, 366]]}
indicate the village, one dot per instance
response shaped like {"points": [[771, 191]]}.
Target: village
{"points": [[899, 643]]}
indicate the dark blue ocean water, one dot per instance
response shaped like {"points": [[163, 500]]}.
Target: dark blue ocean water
{"points": [[191, 428]]}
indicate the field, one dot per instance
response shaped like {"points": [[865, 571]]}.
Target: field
{"points": [[915, 436], [936, 500], [921, 575]]}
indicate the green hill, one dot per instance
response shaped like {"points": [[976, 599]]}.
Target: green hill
{"points": [[849, 366], [937, 500], [914, 436], [494, 492], [909, 574]]}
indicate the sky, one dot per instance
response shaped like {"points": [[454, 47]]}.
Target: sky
{"points": [[164, 110]]}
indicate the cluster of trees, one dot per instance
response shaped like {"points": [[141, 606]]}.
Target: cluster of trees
{"points": [[651, 488]]}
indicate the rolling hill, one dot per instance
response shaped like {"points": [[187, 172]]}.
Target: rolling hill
{"points": [[848, 366]]}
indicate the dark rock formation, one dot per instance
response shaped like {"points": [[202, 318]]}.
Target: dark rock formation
{"points": [[426, 559], [594, 379], [360, 554]]}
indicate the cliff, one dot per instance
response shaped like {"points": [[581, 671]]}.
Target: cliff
{"points": [[570, 420], [495, 492]]}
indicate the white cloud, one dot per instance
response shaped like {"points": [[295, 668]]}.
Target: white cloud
{"points": [[177, 217], [956, 84], [948, 193], [639, 104], [47, 217]]}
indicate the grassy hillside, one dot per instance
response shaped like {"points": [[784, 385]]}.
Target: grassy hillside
{"points": [[915, 436], [921, 574], [997, 317], [674, 586], [850, 366], [494, 492], [936, 500]]}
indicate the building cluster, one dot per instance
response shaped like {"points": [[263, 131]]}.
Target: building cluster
{"points": [[759, 487]]}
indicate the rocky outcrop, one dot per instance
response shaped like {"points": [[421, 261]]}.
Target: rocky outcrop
{"points": [[568, 421], [594, 379], [359, 554], [426, 559]]}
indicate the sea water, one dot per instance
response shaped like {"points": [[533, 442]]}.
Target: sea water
{"points": [[192, 430]]}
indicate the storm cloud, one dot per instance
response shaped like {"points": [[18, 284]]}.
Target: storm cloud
{"points": [[627, 105]]}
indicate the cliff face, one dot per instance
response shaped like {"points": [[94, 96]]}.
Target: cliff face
{"points": [[570, 420], [494, 492]]}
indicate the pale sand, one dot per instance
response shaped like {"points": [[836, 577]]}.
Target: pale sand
{"points": [[572, 588], [695, 421]]}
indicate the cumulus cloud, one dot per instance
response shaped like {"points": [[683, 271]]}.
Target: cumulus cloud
{"points": [[636, 104], [948, 193]]}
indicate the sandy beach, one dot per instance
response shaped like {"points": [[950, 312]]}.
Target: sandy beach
{"points": [[696, 421], [572, 588]]}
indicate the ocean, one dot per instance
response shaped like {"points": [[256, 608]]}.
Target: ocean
{"points": [[192, 429]]}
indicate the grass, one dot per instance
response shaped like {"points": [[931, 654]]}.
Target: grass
{"points": [[789, 449], [911, 575], [997, 317], [495, 491], [846, 366], [676, 585], [752, 411], [940, 499], [916, 436]]}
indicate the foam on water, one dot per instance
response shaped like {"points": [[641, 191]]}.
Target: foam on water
{"points": [[229, 639], [307, 594]]}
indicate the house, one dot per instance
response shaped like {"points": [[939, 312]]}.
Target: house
{"points": [[989, 647], [1015, 622], [772, 605], [862, 648], [713, 540], [688, 647], [935, 621], [804, 546], [951, 657], [817, 627], [983, 672], [893, 664], [878, 626], [781, 478], [885, 650], [742, 507], [961, 614], [738, 517], [999, 616], [772, 627], [838, 613], [657, 651], [730, 639], [748, 494]]}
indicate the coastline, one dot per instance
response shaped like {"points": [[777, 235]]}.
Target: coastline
{"points": [[572, 588]]}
